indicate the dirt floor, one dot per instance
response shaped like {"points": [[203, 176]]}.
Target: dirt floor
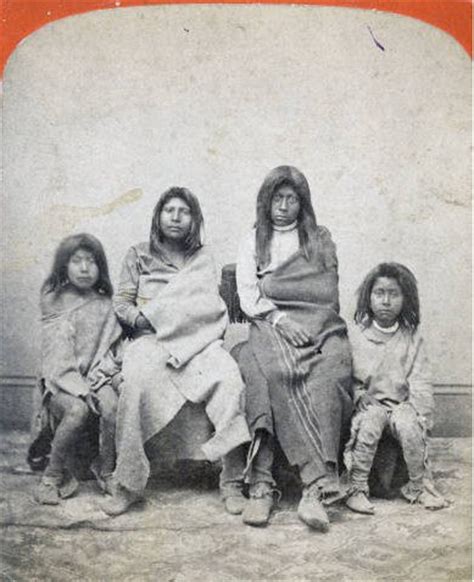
{"points": [[181, 532]]}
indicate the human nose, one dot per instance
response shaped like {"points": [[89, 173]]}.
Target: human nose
{"points": [[283, 204], [386, 299], [175, 215], [84, 266]]}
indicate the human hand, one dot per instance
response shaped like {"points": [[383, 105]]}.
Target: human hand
{"points": [[295, 333], [93, 403], [142, 323], [116, 382], [365, 400], [428, 423], [173, 362]]}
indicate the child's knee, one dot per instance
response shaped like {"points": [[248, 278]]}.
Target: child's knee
{"points": [[405, 421], [371, 426], [369, 435], [78, 412]]}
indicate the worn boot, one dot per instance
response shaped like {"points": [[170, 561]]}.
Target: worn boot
{"points": [[47, 491], [260, 504], [233, 497], [109, 485], [121, 500], [425, 494], [311, 510], [105, 482], [359, 502], [69, 485]]}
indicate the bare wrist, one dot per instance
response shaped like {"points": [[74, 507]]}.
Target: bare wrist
{"points": [[279, 315]]}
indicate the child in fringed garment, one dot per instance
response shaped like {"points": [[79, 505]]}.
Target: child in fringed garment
{"points": [[393, 389], [80, 366]]}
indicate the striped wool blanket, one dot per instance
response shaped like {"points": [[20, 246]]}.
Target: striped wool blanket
{"points": [[301, 395]]}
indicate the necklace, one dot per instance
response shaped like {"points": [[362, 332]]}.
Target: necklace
{"points": [[286, 228], [392, 329]]}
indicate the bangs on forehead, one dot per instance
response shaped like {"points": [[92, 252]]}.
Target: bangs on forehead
{"points": [[174, 197], [285, 183], [84, 247], [391, 279]]}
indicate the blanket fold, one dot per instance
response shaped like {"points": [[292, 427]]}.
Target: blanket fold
{"points": [[187, 314]]}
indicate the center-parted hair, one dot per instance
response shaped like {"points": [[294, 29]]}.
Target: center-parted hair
{"points": [[307, 227], [58, 278], [409, 317], [193, 240]]}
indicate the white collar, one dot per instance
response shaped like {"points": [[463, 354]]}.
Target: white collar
{"points": [[286, 228], [392, 329]]}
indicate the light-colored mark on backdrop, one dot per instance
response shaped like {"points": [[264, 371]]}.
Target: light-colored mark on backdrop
{"points": [[213, 97]]}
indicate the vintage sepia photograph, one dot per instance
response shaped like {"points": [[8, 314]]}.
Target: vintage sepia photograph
{"points": [[236, 254]]}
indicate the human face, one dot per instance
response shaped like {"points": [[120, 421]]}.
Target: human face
{"points": [[175, 219], [285, 206], [82, 270], [386, 301]]}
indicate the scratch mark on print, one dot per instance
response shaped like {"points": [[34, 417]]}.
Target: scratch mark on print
{"points": [[381, 47]]}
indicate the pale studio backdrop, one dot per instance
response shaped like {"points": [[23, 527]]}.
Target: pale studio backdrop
{"points": [[104, 111]]}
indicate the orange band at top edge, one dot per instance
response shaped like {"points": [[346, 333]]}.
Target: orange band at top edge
{"points": [[22, 17]]}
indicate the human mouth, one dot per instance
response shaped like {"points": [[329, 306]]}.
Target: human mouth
{"points": [[385, 314]]}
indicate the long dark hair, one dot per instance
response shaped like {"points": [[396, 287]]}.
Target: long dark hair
{"points": [[192, 241], [307, 227], [58, 278], [409, 317]]}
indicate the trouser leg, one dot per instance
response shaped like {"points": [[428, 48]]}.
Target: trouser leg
{"points": [[233, 465], [108, 400], [261, 483], [406, 428], [370, 425], [262, 464], [72, 413]]}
